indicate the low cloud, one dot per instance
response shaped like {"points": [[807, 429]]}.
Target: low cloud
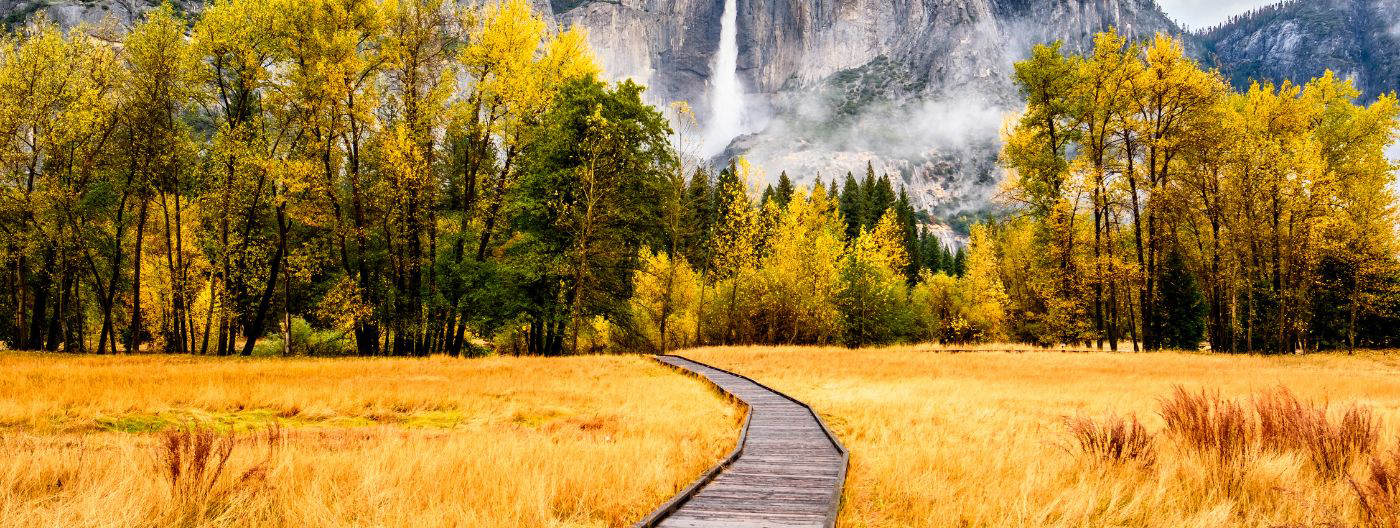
{"points": [[942, 150]]}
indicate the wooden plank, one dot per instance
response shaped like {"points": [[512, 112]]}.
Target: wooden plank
{"points": [[786, 472]]}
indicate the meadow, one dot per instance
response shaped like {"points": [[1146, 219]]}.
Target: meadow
{"points": [[90, 441], [986, 438], [981, 438]]}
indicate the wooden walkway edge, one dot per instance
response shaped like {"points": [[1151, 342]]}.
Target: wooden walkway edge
{"points": [[786, 471]]}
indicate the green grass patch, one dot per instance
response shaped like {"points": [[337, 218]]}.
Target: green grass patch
{"points": [[534, 418]]}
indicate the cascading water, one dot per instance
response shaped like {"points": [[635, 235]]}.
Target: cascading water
{"points": [[726, 120]]}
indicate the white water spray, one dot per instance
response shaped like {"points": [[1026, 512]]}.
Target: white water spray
{"points": [[726, 93]]}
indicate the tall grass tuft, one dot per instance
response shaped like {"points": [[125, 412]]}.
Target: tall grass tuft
{"points": [[1114, 440], [1378, 490], [1289, 424], [194, 462], [1212, 425]]}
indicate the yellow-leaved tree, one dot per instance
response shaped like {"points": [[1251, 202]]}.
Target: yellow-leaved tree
{"points": [[735, 246], [983, 293], [798, 278], [873, 291], [664, 300]]}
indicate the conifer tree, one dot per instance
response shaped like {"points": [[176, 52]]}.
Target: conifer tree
{"points": [[784, 190], [852, 206]]}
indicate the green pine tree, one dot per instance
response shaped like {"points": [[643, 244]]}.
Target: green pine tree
{"points": [[784, 190], [700, 217], [852, 206], [1181, 316]]}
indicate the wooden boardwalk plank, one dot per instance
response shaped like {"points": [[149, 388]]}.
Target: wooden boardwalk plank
{"points": [[787, 471]]}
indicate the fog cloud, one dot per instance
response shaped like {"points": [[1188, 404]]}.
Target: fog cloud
{"points": [[943, 150]]}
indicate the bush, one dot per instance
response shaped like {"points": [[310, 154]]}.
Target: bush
{"points": [[1115, 440], [306, 341], [1287, 423], [194, 462], [1213, 426], [1379, 490]]}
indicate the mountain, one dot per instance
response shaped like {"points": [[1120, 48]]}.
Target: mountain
{"points": [[918, 88], [1298, 40]]}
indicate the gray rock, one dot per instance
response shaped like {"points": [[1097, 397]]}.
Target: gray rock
{"points": [[1299, 40], [917, 87]]}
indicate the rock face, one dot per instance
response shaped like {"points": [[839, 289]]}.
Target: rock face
{"points": [[1300, 39], [918, 88]]}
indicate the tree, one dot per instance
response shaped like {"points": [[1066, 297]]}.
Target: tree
{"points": [[784, 191], [665, 298], [735, 246], [587, 206], [873, 295], [1181, 320], [796, 276], [64, 211], [157, 90], [853, 206], [983, 290]]}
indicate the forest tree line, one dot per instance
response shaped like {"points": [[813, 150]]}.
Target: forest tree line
{"points": [[342, 176], [1161, 206], [416, 177]]}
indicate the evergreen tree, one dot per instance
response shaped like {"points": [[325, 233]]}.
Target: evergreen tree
{"points": [[905, 214], [867, 198], [1181, 319], [852, 206], [959, 260], [728, 179], [881, 197], [784, 190], [931, 252], [699, 218]]}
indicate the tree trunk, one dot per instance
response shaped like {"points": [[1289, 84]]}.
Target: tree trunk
{"points": [[41, 303], [255, 330], [134, 340]]}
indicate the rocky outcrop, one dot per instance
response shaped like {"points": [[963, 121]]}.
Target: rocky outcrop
{"points": [[916, 87], [788, 45], [1300, 39]]}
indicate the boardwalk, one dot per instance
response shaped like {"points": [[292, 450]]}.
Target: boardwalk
{"points": [[786, 472]]}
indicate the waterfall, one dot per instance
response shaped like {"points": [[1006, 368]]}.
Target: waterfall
{"points": [[726, 119]]}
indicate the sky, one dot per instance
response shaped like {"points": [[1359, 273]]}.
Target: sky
{"points": [[1197, 14]]}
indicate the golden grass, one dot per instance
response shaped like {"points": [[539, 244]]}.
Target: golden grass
{"points": [[588, 441], [986, 439]]}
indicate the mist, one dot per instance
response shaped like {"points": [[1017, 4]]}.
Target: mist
{"points": [[942, 149]]}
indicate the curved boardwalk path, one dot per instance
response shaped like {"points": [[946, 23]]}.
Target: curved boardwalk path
{"points": [[787, 470]]}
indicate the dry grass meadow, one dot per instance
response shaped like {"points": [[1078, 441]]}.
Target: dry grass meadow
{"points": [[495, 442], [1029, 440], [986, 438]]}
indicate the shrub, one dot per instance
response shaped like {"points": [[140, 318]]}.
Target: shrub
{"points": [[1378, 490], [1113, 440], [306, 341], [1214, 426], [194, 461], [1287, 423]]}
